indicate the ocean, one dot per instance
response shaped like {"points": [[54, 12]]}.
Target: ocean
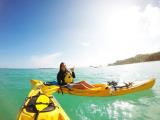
{"points": [[145, 105]]}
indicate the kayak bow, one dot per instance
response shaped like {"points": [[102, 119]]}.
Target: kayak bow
{"points": [[41, 105]]}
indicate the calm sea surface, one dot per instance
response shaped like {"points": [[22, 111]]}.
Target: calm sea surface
{"points": [[15, 86]]}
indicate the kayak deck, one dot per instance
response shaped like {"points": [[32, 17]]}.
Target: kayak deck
{"points": [[46, 111]]}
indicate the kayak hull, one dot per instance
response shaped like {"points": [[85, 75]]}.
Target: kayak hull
{"points": [[57, 114], [104, 90]]}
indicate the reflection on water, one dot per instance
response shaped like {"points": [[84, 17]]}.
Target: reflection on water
{"points": [[120, 109], [114, 108]]}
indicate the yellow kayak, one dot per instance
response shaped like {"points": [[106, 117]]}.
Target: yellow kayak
{"points": [[41, 105], [106, 90]]}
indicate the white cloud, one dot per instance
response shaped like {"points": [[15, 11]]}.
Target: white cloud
{"points": [[109, 34], [46, 61], [122, 33], [85, 44], [132, 28], [153, 16]]}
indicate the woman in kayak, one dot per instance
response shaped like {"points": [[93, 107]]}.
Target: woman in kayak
{"points": [[65, 77]]}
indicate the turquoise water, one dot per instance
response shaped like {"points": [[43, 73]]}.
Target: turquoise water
{"points": [[15, 85]]}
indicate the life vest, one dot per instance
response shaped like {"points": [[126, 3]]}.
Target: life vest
{"points": [[68, 78]]}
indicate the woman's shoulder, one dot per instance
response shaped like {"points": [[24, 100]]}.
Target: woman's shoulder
{"points": [[60, 73]]}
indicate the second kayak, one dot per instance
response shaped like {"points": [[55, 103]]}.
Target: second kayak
{"points": [[106, 90]]}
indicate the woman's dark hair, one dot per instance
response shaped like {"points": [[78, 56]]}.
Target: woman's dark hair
{"points": [[62, 63]]}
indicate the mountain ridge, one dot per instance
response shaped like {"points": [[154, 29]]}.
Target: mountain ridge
{"points": [[138, 59]]}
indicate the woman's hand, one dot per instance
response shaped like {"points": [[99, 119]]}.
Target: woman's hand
{"points": [[72, 69]]}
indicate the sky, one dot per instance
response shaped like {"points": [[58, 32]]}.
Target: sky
{"points": [[43, 33]]}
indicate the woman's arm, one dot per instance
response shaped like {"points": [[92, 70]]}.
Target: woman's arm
{"points": [[59, 79], [73, 75], [72, 72]]}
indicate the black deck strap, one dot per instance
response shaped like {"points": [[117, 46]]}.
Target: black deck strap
{"points": [[61, 89], [36, 115], [42, 103]]}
